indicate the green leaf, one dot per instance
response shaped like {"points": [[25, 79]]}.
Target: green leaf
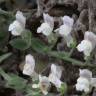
{"points": [[20, 44], [39, 46], [59, 54], [5, 56], [13, 81], [27, 36], [24, 42]]}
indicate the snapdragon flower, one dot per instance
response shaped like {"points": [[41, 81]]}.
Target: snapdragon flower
{"points": [[88, 44], [46, 28], [55, 75], [54, 78], [44, 84], [29, 65], [85, 82], [18, 26], [65, 29]]}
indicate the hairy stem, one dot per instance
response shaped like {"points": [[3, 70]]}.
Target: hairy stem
{"points": [[68, 59]]}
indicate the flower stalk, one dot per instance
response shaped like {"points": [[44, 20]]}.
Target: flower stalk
{"points": [[69, 59]]}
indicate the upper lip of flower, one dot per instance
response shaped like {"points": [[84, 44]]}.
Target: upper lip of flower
{"points": [[29, 63], [18, 25], [68, 20], [85, 80]]}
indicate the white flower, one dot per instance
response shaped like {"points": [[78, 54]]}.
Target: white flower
{"points": [[18, 26], [29, 65], [56, 70], [44, 84], [91, 37], [85, 82], [46, 28], [55, 75], [55, 80], [15, 28], [68, 21], [65, 29], [20, 17], [88, 44], [85, 46], [85, 73]]}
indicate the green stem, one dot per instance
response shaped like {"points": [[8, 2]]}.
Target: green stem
{"points": [[68, 59], [71, 51], [5, 13]]}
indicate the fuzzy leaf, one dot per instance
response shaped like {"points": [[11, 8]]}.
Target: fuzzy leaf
{"points": [[20, 44], [39, 46], [13, 81], [5, 56]]}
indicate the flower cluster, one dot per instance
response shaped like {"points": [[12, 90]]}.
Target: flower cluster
{"points": [[44, 82], [85, 82], [86, 46], [64, 30]]}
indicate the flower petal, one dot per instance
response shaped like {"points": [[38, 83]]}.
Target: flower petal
{"points": [[44, 92], [48, 19], [20, 17], [65, 30], [29, 59], [83, 84], [44, 84], [29, 65], [85, 46], [91, 37], [16, 28], [35, 86], [68, 21], [45, 29], [54, 80], [56, 70], [39, 30], [85, 73]]}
